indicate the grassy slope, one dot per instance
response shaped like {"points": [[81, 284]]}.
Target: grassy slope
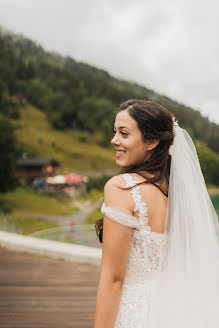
{"points": [[23, 201], [93, 217], [24, 224], [74, 156], [23, 206]]}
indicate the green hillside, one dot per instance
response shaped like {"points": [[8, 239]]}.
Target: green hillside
{"points": [[73, 149], [76, 95], [65, 109]]}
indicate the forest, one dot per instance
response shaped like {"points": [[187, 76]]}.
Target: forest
{"points": [[77, 96]]}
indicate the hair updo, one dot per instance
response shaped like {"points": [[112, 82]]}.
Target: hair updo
{"points": [[155, 122]]}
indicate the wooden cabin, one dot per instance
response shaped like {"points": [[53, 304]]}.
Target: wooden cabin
{"points": [[36, 167]]}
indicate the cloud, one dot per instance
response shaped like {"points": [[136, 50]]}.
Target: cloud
{"points": [[172, 48]]}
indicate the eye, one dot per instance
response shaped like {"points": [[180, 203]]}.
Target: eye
{"points": [[123, 133]]}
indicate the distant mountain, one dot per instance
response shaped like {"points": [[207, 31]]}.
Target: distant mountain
{"points": [[76, 95]]}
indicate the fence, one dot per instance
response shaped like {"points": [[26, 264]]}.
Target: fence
{"points": [[6, 224]]}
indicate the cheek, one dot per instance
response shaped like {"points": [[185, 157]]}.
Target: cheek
{"points": [[134, 146], [138, 150], [127, 143]]}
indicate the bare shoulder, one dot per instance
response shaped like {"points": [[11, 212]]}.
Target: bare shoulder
{"points": [[149, 187], [115, 194], [115, 182], [119, 182]]}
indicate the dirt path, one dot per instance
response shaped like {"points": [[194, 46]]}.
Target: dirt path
{"points": [[86, 209]]}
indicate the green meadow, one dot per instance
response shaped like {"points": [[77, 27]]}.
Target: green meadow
{"points": [[75, 151]]}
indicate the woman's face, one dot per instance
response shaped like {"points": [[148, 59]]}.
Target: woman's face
{"points": [[127, 140]]}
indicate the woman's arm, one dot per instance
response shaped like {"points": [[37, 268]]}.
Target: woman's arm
{"points": [[115, 250]]}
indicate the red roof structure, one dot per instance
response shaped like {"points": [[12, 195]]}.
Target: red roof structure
{"points": [[73, 178]]}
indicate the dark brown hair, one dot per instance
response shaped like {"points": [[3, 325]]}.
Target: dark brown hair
{"points": [[155, 122]]}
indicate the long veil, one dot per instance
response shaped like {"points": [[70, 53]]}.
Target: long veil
{"points": [[187, 294]]}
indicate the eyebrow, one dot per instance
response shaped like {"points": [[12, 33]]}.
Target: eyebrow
{"points": [[122, 127]]}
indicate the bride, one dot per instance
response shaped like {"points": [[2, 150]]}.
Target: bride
{"points": [[160, 254]]}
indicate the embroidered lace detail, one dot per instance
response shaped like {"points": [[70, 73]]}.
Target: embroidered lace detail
{"points": [[145, 263], [145, 256], [139, 204], [135, 306], [130, 182]]}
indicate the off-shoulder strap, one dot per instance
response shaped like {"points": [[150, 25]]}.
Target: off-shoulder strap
{"points": [[120, 215], [139, 204]]}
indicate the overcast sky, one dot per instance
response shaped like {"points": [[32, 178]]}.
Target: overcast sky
{"points": [[169, 46]]}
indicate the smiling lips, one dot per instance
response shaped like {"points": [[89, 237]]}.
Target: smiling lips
{"points": [[119, 153]]}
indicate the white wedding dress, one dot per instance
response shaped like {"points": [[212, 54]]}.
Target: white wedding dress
{"points": [[145, 262]]}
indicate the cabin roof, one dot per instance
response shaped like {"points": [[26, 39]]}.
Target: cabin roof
{"points": [[37, 161]]}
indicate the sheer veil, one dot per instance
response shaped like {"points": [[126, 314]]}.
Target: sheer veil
{"points": [[187, 294]]}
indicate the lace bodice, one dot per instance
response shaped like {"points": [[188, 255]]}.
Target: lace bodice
{"points": [[147, 249]]}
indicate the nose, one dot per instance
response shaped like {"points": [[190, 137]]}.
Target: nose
{"points": [[115, 140]]}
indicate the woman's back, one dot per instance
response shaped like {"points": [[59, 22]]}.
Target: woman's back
{"points": [[156, 199], [147, 248]]}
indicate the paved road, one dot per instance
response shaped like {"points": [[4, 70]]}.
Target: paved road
{"points": [[39, 292]]}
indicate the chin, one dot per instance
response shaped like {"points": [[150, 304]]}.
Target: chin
{"points": [[127, 164], [121, 164]]}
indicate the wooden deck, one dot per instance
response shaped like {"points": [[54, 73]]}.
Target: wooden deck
{"points": [[40, 292]]}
